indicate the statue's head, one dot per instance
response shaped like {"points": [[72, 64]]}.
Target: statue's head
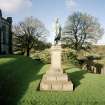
{"points": [[57, 20]]}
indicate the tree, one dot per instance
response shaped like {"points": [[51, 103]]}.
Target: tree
{"points": [[42, 45], [81, 30], [28, 33]]}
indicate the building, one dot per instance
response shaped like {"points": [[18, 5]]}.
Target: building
{"points": [[5, 35]]}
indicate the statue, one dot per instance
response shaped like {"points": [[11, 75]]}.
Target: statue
{"points": [[54, 79], [58, 31]]}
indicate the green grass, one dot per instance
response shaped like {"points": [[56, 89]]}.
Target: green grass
{"points": [[20, 77]]}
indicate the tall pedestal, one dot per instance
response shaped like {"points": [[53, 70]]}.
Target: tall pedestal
{"points": [[55, 79]]}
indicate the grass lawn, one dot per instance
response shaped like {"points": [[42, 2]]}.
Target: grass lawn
{"points": [[20, 77]]}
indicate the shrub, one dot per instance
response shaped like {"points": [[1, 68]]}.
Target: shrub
{"points": [[43, 56], [69, 55]]}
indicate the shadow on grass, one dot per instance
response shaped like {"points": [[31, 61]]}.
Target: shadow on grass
{"points": [[76, 77], [15, 76]]}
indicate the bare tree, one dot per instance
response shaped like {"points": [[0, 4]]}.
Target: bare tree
{"points": [[81, 30], [28, 33]]}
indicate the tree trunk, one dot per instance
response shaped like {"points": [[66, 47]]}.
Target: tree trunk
{"points": [[28, 52], [76, 46]]}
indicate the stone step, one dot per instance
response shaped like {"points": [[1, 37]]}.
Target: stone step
{"points": [[55, 82], [68, 86], [61, 77], [65, 86]]}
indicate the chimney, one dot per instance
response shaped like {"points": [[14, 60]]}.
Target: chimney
{"points": [[0, 13], [9, 19]]}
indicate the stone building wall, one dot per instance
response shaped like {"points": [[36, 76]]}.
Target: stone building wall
{"points": [[5, 35]]}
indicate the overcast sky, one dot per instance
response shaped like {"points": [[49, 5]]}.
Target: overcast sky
{"points": [[47, 10]]}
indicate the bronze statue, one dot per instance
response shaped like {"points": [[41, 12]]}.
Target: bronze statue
{"points": [[58, 31]]}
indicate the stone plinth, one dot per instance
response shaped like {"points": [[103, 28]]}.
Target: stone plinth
{"points": [[55, 79], [56, 58]]}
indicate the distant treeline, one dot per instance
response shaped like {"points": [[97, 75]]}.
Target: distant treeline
{"points": [[99, 49]]}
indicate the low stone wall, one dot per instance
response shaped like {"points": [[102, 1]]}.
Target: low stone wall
{"points": [[94, 68]]}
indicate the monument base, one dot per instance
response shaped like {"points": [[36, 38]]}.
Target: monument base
{"points": [[56, 82], [55, 79]]}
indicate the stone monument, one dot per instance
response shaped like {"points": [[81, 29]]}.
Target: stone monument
{"points": [[55, 79]]}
